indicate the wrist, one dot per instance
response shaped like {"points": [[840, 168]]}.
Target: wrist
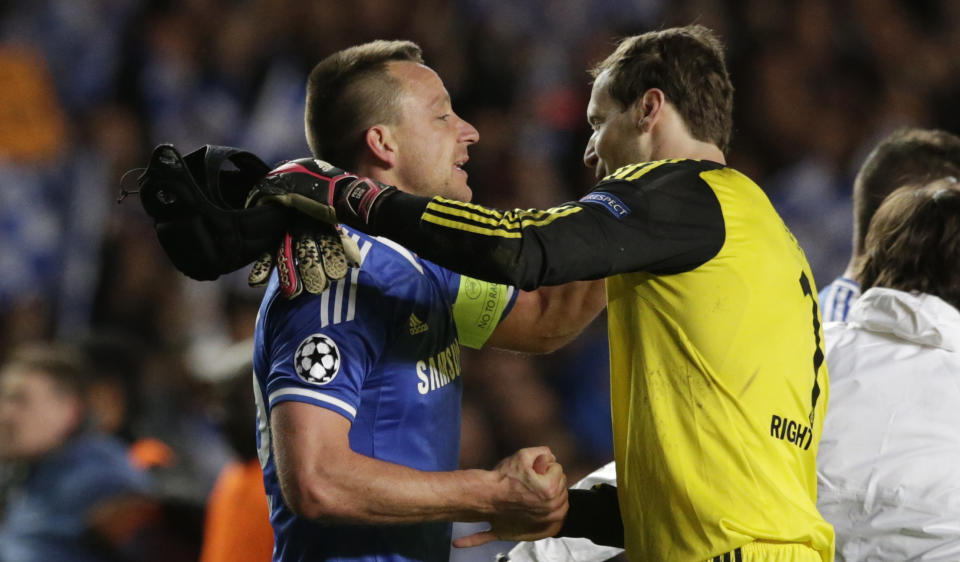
{"points": [[483, 493], [358, 201], [397, 215], [376, 204], [506, 493]]}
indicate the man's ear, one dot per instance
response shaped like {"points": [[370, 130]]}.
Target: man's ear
{"points": [[382, 146], [648, 109]]}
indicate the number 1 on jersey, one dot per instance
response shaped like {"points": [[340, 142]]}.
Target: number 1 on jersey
{"points": [[818, 352]]}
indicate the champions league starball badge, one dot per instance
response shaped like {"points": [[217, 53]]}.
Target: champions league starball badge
{"points": [[317, 360]]}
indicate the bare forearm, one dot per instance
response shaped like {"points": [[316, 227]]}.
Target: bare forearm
{"points": [[569, 308], [361, 489], [549, 318], [322, 478]]}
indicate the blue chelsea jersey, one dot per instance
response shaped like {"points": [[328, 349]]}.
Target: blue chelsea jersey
{"points": [[380, 347]]}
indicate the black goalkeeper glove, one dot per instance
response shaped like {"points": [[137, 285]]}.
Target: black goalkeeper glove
{"points": [[322, 191], [197, 208], [200, 219]]}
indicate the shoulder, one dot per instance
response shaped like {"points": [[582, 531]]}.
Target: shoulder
{"points": [[675, 183], [386, 268], [385, 263], [661, 171], [399, 273], [841, 287], [838, 334], [837, 298], [851, 352], [665, 192]]}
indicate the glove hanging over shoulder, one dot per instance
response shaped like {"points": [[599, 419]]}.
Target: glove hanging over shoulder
{"points": [[198, 206], [320, 191], [196, 203]]}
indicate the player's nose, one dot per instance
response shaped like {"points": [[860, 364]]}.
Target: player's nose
{"points": [[468, 133], [590, 158]]}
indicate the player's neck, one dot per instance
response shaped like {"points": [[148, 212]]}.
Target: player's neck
{"points": [[381, 174], [689, 148]]}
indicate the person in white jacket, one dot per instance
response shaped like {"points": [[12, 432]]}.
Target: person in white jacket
{"points": [[889, 459]]}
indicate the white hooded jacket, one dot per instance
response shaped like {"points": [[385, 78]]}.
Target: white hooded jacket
{"points": [[889, 459]]}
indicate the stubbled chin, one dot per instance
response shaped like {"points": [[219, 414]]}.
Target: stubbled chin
{"points": [[459, 185], [462, 193]]}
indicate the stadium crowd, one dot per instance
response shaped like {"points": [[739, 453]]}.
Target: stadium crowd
{"points": [[93, 85]]}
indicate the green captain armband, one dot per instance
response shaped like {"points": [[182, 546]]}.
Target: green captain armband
{"points": [[478, 309]]}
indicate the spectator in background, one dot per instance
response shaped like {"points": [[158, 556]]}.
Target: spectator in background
{"points": [[113, 388], [907, 156], [115, 405], [77, 496], [237, 527], [888, 478]]}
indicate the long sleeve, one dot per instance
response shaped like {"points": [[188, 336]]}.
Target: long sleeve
{"points": [[659, 217]]}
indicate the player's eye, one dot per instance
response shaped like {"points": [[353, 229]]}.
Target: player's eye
{"points": [[444, 117]]}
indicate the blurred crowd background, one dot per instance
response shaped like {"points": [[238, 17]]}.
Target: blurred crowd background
{"points": [[89, 87]]}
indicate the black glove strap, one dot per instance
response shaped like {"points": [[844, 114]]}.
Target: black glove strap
{"points": [[210, 163]]}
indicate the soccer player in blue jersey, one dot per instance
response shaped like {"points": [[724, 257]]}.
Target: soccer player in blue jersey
{"points": [[358, 389], [907, 156]]}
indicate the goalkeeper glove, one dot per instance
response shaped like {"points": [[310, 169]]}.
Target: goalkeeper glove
{"points": [[322, 191], [310, 256], [200, 220], [198, 213]]}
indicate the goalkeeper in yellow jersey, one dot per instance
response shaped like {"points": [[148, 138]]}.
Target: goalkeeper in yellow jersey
{"points": [[718, 383]]}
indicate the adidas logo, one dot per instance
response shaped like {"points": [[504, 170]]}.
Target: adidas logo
{"points": [[417, 326]]}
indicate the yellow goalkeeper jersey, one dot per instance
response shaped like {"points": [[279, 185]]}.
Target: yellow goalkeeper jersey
{"points": [[719, 390], [718, 383]]}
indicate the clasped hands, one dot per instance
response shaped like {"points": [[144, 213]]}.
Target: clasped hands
{"points": [[534, 501]]}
